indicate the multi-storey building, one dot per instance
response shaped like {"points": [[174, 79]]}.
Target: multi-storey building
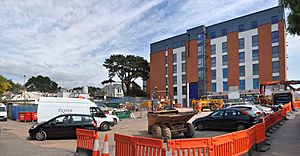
{"points": [[237, 54]]}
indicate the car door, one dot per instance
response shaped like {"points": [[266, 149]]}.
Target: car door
{"points": [[214, 121], [229, 119], [56, 128], [75, 122]]}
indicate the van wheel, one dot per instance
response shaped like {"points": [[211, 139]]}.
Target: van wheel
{"points": [[115, 121], [104, 126], [40, 135]]}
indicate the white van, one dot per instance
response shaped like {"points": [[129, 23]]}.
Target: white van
{"points": [[3, 112], [49, 107]]}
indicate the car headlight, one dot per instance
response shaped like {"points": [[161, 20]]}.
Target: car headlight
{"points": [[34, 126]]}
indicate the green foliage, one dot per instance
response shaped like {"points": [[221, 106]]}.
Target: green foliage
{"points": [[15, 87], [4, 84], [42, 84], [128, 69], [294, 16]]}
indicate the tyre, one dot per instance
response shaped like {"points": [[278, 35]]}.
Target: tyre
{"points": [[200, 126], [190, 132], [156, 131], [166, 133], [240, 127], [213, 107], [40, 135], [115, 121], [105, 126]]}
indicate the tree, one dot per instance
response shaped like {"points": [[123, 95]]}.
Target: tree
{"points": [[127, 69], [110, 80], [4, 84], [293, 17], [15, 87], [42, 84]]}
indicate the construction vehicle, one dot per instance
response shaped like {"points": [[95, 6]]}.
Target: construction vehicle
{"points": [[165, 121], [207, 102], [272, 100], [163, 124]]}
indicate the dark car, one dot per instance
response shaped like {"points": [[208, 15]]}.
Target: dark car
{"points": [[62, 126], [227, 119]]}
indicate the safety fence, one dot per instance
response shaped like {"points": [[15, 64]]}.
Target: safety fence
{"points": [[236, 143], [296, 104], [138, 146], [85, 141]]}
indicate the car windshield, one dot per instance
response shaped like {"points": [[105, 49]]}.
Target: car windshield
{"points": [[2, 109], [259, 108], [217, 113]]}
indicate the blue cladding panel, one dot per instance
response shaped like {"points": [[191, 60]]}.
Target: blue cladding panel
{"points": [[193, 90], [17, 109]]}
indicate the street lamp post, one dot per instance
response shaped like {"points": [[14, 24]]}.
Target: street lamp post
{"points": [[24, 89]]}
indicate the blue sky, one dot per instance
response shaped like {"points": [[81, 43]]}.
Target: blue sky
{"points": [[69, 40]]}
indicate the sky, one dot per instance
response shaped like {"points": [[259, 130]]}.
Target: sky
{"points": [[69, 40]]}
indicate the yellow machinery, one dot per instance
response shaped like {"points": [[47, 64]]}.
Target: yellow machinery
{"points": [[207, 102]]}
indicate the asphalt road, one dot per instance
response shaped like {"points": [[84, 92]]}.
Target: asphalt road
{"points": [[11, 145]]}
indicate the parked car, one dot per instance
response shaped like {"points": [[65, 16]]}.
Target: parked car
{"points": [[63, 126], [3, 112], [254, 108], [226, 105], [227, 119]]}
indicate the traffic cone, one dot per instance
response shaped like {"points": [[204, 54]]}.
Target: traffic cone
{"points": [[105, 151], [96, 151]]}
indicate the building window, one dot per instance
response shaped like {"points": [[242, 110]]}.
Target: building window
{"points": [[274, 19], [174, 80], [213, 35], [274, 36], [183, 56], [275, 52], [213, 49], [183, 78], [255, 83], [254, 41], [241, 43], [166, 48], [242, 85], [166, 59], [241, 57], [214, 87], [225, 72], [175, 91], [275, 78], [213, 74], [174, 45], [183, 90], [255, 69], [275, 67], [167, 81], [253, 24], [225, 86], [224, 32], [255, 55], [224, 47], [213, 62], [200, 50], [224, 60], [174, 69], [183, 43], [174, 58], [242, 70], [200, 74], [167, 70], [241, 28], [183, 67]]}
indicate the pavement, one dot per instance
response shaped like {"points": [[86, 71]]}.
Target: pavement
{"points": [[286, 140]]}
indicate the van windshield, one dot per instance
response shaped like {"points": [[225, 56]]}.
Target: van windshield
{"points": [[2, 109], [95, 111]]}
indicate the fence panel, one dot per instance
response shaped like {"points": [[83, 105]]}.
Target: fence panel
{"points": [[240, 142], [268, 121], [124, 145], [296, 104], [190, 147], [222, 145], [85, 138], [260, 135]]}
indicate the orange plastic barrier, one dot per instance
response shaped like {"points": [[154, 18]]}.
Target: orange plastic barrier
{"points": [[85, 141], [296, 104], [138, 146], [197, 146]]}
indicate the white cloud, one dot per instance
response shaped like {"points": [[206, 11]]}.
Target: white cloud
{"points": [[69, 40]]}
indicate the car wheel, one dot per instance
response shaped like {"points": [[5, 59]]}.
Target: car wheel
{"points": [[40, 135], [190, 131], [115, 121], [240, 127], [200, 126], [104, 126], [156, 131]]}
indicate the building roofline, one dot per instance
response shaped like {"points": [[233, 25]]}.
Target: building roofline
{"points": [[167, 38], [244, 16]]}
